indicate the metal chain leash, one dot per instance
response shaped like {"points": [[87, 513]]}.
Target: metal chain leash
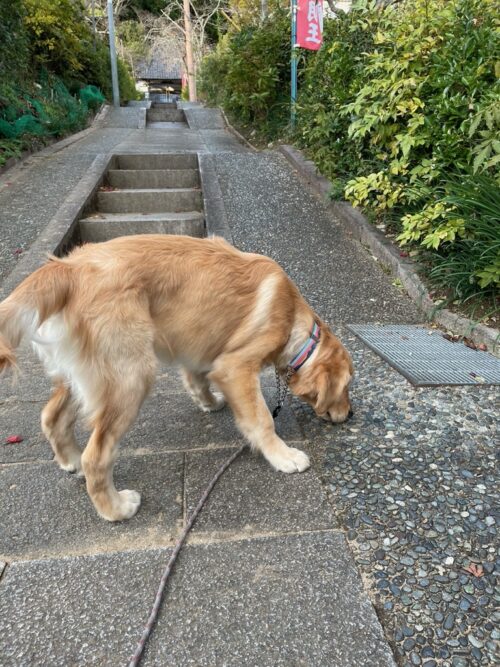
{"points": [[282, 386]]}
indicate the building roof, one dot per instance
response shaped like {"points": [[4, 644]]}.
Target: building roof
{"points": [[159, 69]]}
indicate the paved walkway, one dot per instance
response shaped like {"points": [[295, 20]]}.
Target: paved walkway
{"points": [[403, 495]]}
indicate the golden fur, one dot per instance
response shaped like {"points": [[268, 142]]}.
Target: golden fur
{"points": [[102, 317]]}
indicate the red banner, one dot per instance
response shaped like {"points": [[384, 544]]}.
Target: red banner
{"points": [[310, 24]]}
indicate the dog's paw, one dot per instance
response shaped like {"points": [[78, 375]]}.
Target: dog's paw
{"points": [[130, 502], [126, 505], [290, 460], [72, 464], [216, 404]]}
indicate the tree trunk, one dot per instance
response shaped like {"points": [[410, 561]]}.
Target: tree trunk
{"points": [[189, 52]]}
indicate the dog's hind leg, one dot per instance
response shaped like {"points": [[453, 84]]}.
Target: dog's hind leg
{"points": [[241, 386], [198, 386], [58, 421], [121, 403]]}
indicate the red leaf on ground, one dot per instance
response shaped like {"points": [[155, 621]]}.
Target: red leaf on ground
{"points": [[18, 251], [12, 439], [475, 570], [403, 254]]}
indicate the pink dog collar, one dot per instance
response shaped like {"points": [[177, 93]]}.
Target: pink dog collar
{"points": [[307, 349]]}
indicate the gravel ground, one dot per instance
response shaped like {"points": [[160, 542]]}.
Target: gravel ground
{"points": [[412, 477]]}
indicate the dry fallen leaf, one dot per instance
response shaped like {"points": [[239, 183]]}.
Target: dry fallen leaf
{"points": [[470, 343], [475, 570]]}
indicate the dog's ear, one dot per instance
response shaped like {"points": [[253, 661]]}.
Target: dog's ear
{"points": [[323, 388], [302, 385], [313, 386]]}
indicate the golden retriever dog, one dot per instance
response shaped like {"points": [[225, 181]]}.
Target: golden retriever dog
{"points": [[102, 317]]}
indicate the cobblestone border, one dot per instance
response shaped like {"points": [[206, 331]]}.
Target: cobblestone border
{"points": [[389, 255]]}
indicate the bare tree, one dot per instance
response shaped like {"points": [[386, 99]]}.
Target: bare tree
{"points": [[96, 13], [162, 36], [193, 30]]}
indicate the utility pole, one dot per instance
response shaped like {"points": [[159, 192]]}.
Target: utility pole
{"points": [[189, 52], [263, 10], [293, 82], [93, 24], [112, 53]]}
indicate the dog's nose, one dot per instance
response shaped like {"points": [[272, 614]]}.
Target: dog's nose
{"points": [[350, 414]]}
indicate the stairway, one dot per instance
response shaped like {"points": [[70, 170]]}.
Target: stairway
{"points": [[161, 113], [147, 194]]}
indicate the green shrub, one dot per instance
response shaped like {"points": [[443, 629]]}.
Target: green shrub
{"points": [[249, 74], [330, 79], [14, 42], [469, 262], [397, 100], [52, 72], [48, 109], [59, 36]]}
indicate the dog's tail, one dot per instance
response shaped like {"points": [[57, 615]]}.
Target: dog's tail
{"points": [[44, 293]]}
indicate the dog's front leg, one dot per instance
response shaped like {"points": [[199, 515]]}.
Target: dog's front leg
{"points": [[241, 387]]}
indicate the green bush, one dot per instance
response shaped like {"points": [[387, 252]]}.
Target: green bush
{"points": [[419, 111], [48, 110], [52, 72], [14, 42], [249, 74], [330, 79], [400, 102], [469, 263]]}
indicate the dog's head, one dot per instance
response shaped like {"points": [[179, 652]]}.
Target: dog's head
{"points": [[323, 381]]}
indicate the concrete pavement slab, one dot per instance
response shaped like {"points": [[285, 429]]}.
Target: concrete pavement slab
{"points": [[32, 384], [32, 192], [22, 419], [46, 511], [173, 422], [220, 141], [274, 602], [203, 118], [158, 141], [251, 497]]}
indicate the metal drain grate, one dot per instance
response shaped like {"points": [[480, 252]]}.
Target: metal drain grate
{"points": [[426, 358]]}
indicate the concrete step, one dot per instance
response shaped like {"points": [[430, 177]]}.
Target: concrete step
{"points": [[150, 200], [165, 161], [153, 178], [170, 115], [103, 227], [164, 105]]}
